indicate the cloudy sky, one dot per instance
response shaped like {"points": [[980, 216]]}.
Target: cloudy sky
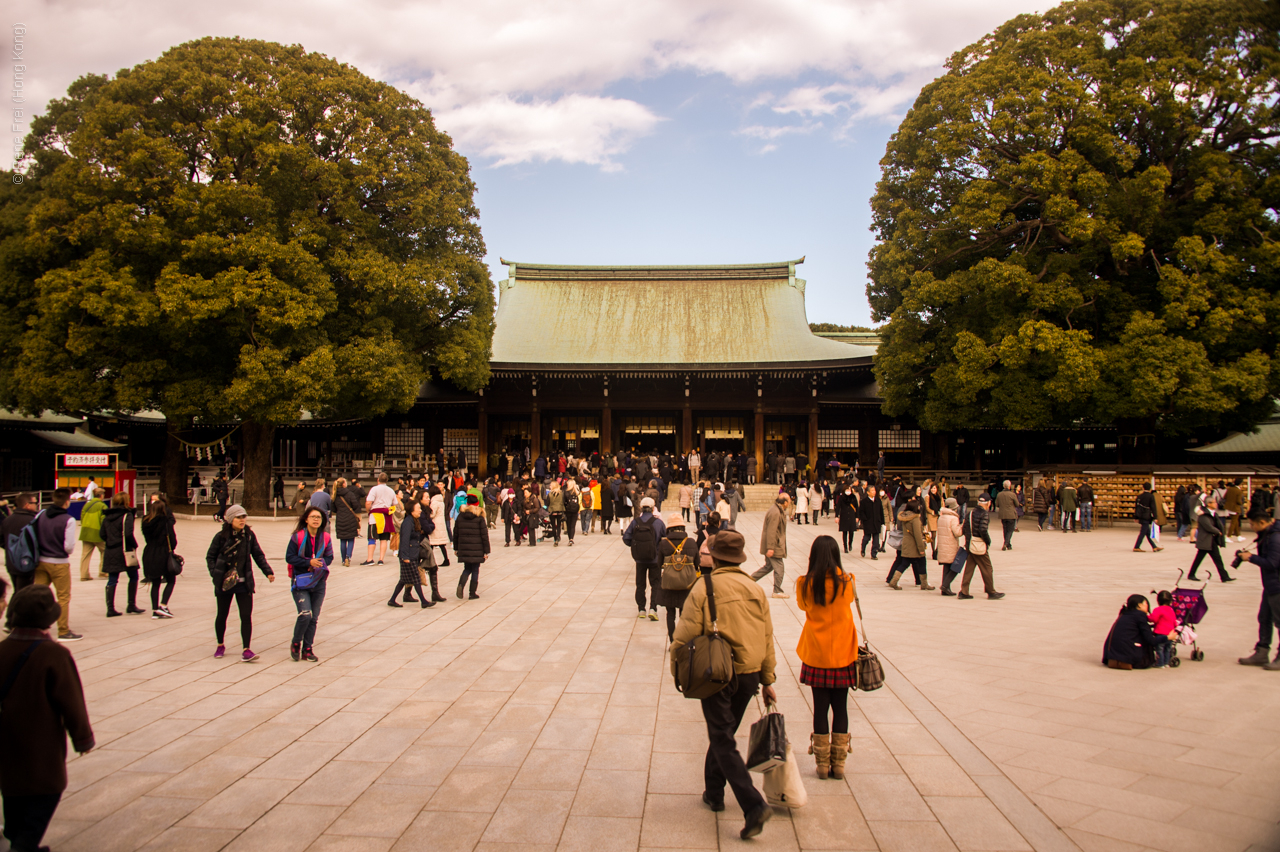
{"points": [[610, 131]]}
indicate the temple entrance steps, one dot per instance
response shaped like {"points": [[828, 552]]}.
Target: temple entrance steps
{"points": [[759, 497]]}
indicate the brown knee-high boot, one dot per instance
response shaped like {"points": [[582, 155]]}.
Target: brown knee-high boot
{"points": [[820, 748], [839, 751]]}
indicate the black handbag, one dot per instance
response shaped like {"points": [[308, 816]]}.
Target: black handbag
{"points": [[175, 563], [767, 744], [869, 670]]}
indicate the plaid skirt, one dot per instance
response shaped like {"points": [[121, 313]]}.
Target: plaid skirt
{"points": [[845, 678], [409, 572]]}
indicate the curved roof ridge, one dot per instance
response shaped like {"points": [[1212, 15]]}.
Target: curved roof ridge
{"points": [[610, 266]]}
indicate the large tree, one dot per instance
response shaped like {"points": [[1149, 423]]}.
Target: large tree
{"points": [[244, 231], [1078, 222]]}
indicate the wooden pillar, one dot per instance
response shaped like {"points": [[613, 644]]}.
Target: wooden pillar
{"points": [[482, 425], [813, 438], [535, 432], [686, 430], [606, 429], [760, 473]]}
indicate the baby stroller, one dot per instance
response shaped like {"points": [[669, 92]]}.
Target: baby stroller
{"points": [[543, 523], [1190, 607]]}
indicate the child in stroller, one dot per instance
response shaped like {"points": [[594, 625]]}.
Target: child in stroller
{"points": [[1164, 625]]}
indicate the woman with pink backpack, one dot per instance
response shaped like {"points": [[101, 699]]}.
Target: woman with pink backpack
{"points": [[310, 553]]}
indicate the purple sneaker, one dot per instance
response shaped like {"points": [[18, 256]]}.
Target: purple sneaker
{"points": [[249, 656], [221, 649]]}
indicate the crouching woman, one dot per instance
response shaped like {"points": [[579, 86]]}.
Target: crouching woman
{"points": [[1131, 643]]}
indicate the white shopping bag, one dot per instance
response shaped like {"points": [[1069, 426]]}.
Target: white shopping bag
{"points": [[782, 784]]}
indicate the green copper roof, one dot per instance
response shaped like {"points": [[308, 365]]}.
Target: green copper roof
{"points": [[740, 315], [1265, 440]]}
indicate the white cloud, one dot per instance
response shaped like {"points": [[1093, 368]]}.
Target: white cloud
{"points": [[772, 133], [574, 128], [815, 100], [516, 81], [761, 131]]}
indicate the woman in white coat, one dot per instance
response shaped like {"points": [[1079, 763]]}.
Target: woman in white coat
{"points": [[802, 503], [440, 535]]}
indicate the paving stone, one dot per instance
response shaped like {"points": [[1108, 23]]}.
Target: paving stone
{"points": [[543, 717]]}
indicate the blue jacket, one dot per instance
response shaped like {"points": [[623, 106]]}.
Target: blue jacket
{"points": [[1268, 560], [410, 543], [303, 548], [540, 467]]}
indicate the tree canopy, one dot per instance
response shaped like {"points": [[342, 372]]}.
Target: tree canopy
{"points": [[241, 231], [832, 327], [1078, 222]]}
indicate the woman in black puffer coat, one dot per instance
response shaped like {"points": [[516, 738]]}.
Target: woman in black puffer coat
{"points": [[158, 531], [847, 511], [471, 543], [117, 540], [347, 503]]}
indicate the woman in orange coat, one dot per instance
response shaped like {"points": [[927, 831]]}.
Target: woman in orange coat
{"points": [[828, 650]]}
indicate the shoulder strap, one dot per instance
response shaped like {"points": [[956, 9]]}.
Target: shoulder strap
{"points": [[711, 601], [17, 667]]}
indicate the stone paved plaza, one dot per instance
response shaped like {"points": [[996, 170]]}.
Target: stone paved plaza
{"points": [[542, 716]]}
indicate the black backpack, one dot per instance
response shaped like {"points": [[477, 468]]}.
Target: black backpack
{"points": [[570, 501], [644, 543]]}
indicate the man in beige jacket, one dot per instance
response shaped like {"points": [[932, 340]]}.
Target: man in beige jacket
{"points": [[743, 619], [773, 543]]}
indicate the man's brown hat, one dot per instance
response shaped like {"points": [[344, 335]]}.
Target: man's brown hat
{"points": [[727, 546]]}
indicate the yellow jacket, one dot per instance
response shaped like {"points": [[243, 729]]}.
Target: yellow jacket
{"points": [[742, 617]]}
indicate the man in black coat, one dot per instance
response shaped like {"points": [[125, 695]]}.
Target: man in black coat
{"points": [[220, 493], [977, 537], [1268, 561], [1144, 510], [871, 519]]}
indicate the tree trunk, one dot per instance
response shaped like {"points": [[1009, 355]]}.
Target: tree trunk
{"points": [[256, 441], [174, 464]]}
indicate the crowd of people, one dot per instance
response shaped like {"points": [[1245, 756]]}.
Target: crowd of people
{"points": [[689, 560]]}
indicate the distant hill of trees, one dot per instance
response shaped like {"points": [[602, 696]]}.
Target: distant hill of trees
{"points": [[827, 326]]}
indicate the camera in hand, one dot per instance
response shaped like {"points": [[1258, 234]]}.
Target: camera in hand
{"points": [[1241, 556]]}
